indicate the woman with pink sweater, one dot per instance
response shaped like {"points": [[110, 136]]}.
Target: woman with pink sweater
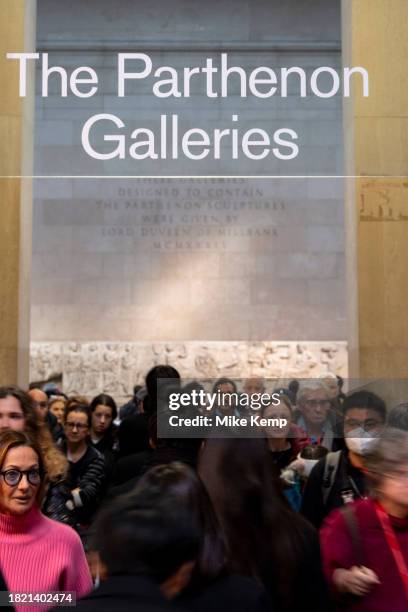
{"points": [[37, 554]]}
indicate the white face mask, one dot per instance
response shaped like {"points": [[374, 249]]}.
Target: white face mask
{"points": [[360, 441]]}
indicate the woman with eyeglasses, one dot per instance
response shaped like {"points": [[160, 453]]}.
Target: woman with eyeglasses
{"points": [[87, 472], [17, 413], [365, 545], [36, 554]]}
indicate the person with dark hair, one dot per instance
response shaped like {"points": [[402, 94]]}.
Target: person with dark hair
{"points": [[36, 554], [266, 539], [211, 586], [87, 474], [133, 435], [135, 405], [293, 387], [133, 432], [135, 449], [156, 374], [398, 417], [163, 451], [339, 477], [365, 545], [103, 431], [147, 555]]}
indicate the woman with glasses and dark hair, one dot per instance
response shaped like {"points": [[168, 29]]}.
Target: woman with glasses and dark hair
{"points": [[17, 413], [86, 475], [36, 553]]}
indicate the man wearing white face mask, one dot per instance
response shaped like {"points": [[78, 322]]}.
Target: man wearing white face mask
{"points": [[339, 477]]}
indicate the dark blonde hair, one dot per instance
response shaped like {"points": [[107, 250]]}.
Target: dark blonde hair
{"points": [[10, 439], [55, 462]]}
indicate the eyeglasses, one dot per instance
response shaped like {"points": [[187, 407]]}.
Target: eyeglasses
{"points": [[40, 404], [313, 403], [13, 476], [78, 426]]}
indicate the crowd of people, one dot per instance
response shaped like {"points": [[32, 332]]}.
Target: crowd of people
{"points": [[312, 514]]}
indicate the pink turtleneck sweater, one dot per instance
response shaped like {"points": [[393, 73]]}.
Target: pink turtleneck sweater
{"points": [[41, 555]]}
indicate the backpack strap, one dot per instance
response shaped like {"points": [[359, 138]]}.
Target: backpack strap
{"points": [[330, 470], [354, 531]]}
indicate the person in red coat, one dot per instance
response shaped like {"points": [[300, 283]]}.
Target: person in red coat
{"points": [[365, 544]]}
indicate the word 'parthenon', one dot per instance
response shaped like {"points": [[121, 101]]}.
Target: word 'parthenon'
{"points": [[218, 76]]}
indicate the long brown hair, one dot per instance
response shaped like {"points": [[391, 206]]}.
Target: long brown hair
{"points": [[55, 462], [266, 539], [13, 439]]}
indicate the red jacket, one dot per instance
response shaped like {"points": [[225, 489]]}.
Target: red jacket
{"points": [[337, 552], [298, 439]]}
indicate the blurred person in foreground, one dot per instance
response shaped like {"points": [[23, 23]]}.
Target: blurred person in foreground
{"points": [[365, 545], [266, 539], [36, 553], [398, 417], [146, 556], [176, 488]]}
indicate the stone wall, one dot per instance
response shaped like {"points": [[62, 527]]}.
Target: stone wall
{"points": [[222, 259], [175, 268], [114, 367]]}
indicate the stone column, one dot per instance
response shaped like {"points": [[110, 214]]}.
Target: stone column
{"points": [[17, 34], [376, 146]]}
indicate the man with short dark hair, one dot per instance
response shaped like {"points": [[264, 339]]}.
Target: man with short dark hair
{"points": [[146, 554], [339, 477]]}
